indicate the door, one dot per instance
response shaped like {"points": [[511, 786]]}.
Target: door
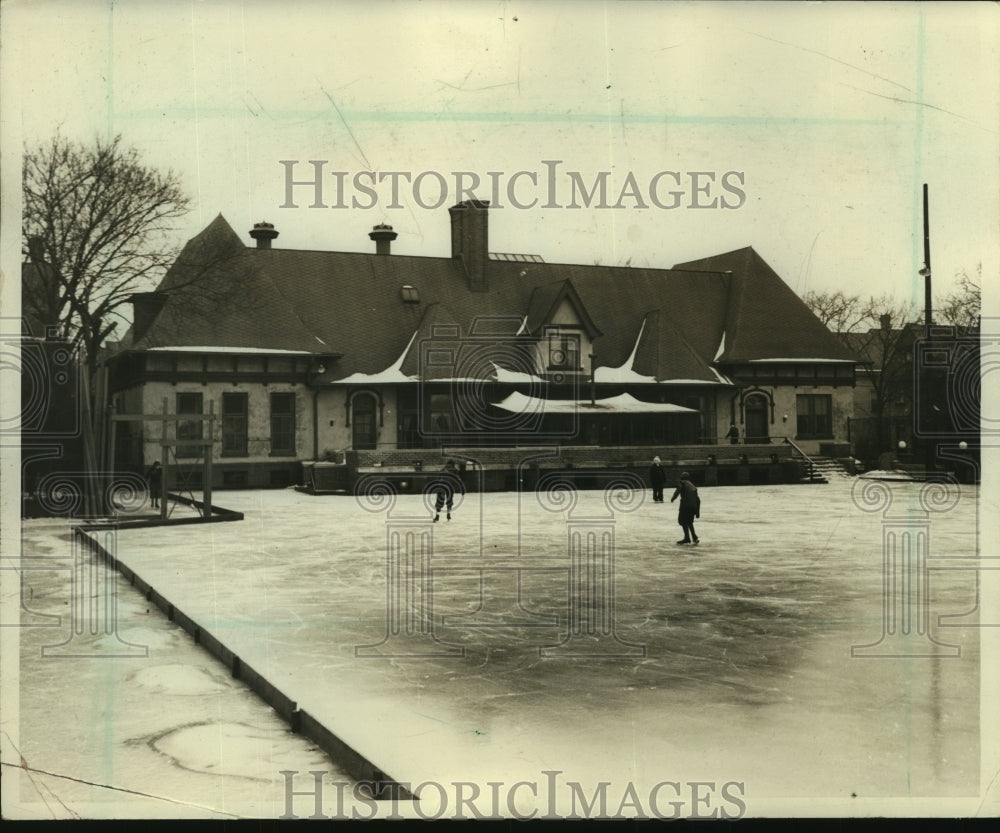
{"points": [[755, 414], [363, 422]]}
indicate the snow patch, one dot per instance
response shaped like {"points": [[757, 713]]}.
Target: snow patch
{"points": [[231, 749], [882, 474], [178, 679]]}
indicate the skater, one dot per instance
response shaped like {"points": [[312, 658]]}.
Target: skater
{"points": [[154, 477], [733, 434], [446, 491], [657, 479], [690, 508]]}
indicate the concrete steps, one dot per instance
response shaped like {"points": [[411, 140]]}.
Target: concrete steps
{"points": [[824, 469]]}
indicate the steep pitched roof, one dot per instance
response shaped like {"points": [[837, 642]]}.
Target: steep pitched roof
{"points": [[218, 295], [765, 318], [222, 293], [665, 354]]}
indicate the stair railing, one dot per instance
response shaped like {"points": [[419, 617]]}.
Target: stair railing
{"points": [[810, 465]]}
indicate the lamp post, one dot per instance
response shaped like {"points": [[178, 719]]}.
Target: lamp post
{"points": [[927, 395]]}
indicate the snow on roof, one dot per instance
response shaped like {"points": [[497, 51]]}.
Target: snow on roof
{"points": [[512, 376], [801, 361], [687, 381], [393, 373], [621, 375], [187, 349], [624, 372], [725, 380], [626, 375], [722, 347], [624, 403]]}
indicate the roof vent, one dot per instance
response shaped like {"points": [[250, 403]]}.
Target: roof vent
{"points": [[410, 294]]}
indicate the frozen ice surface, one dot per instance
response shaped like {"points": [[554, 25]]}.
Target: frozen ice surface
{"points": [[733, 658], [160, 730]]}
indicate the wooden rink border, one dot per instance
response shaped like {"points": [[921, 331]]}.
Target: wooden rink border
{"points": [[301, 722]]}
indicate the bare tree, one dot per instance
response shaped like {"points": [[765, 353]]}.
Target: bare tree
{"points": [[95, 231], [884, 342], [881, 332], [839, 312], [961, 307]]}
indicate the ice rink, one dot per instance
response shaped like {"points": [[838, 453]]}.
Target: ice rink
{"points": [[805, 649]]}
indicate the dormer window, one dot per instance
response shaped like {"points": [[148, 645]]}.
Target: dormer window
{"points": [[564, 351], [410, 294]]}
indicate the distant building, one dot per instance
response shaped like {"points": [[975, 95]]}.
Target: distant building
{"points": [[917, 390], [312, 354], [51, 417]]}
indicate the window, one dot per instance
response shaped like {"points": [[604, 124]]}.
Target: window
{"points": [[814, 420], [282, 424], [440, 413], [234, 425], [189, 403], [564, 351]]}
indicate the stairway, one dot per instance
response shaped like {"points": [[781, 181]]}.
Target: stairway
{"points": [[824, 469]]}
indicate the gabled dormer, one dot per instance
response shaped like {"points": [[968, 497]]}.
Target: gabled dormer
{"points": [[563, 330]]}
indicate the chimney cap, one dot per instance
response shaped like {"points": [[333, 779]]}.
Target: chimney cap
{"points": [[382, 231], [470, 204], [263, 233]]}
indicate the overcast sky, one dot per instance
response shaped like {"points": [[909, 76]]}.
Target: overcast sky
{"points": [[827, 120]]}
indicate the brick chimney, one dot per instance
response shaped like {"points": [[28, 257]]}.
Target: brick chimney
{"points": [[145, 307], [383, 235], [263, 233], [470, 240]]}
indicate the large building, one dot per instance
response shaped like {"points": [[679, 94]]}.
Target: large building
{"points": [[384, 359]]}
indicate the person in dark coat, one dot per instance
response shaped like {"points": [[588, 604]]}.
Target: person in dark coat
{"points": [[690, 508], [154, 478], [733, 434], [657, 479], [446, 490]]}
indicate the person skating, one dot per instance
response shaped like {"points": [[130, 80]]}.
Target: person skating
{"points": [[446, 490], [690, 508], [657, 479]]}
